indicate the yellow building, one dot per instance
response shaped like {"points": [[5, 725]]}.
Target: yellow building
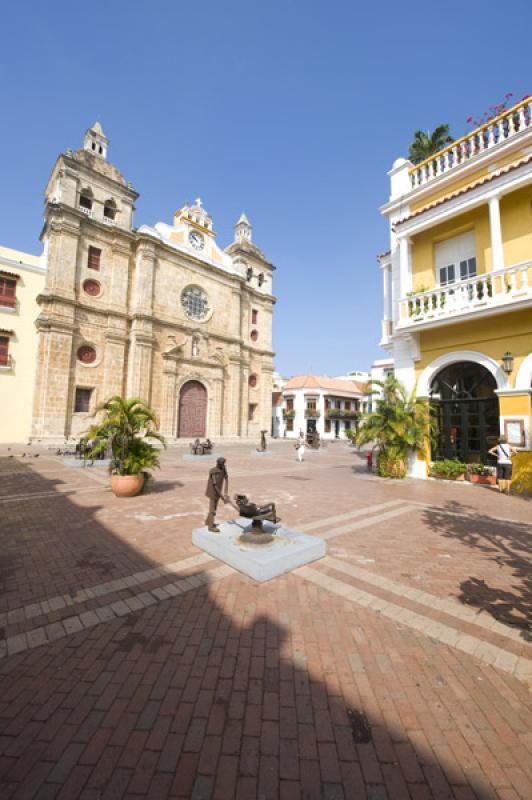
{"points": [[21, 281], [458, 286]]}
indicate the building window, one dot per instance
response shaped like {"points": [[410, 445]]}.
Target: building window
{"points": [[8, 292], [468, 269], [254, 316], [85, 201], [254, 335], [251, 411], [86, 354], [93, 261], [195, 302], [92, 288], [109, 210], [252, 381], [261, 279], [4, 351], [456, 258], [289, 424], [311, 405], [82, 402], [327, 426], [446, 275], [289, 403]]}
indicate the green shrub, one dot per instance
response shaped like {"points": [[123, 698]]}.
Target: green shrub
{"points": [[480, 469], [448, 468]]}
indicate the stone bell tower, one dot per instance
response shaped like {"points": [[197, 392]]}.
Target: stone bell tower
{"points": [[82, 324]]}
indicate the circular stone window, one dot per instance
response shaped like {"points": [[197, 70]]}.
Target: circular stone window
{"points": [[92, 287], [86, 354], [252, 381], [195, 303], [254, 335]]}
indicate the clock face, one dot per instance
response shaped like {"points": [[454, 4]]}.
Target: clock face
{"points": [[196, 240]]}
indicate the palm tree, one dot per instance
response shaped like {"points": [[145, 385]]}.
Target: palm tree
{"points": [[400, 423], [426, 144], [126, 427]]}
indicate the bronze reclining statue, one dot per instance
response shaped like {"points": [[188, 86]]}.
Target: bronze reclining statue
{"points": [[258, 514]]}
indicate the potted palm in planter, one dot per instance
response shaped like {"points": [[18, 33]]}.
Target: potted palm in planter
{"points": [[128, 428], [399, 425]]}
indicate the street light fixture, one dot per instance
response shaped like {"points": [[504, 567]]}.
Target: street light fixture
{"points": [[508, 362]]}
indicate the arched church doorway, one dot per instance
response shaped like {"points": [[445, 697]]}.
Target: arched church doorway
{"points": [[465, 410], [192, 410]]}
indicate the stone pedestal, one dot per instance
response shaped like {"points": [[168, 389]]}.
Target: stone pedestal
{"points": [[288, 550]]}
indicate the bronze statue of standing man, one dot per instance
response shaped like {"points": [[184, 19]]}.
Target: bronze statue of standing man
{"points": [[217, 488]]}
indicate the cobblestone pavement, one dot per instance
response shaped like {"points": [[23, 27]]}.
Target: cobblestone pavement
{"points": [[133, 665]]}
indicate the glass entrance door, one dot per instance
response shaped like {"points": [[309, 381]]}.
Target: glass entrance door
{"points": [[465, 410]]}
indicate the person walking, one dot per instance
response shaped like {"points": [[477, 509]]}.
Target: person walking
{"points": [[217, 488], [300, 447], [504, 452]]}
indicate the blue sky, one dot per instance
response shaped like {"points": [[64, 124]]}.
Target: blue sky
{"points": [[290, 110]]}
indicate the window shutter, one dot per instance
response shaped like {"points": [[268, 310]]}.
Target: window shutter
{"points": [[8, 292], [94, 258], [4, 351]]}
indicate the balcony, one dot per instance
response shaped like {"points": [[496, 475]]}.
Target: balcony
{"points": [[493, 292], [87, 211], [312, 413], [108, 220], [340, 413], [507, 125], [289, 413]]}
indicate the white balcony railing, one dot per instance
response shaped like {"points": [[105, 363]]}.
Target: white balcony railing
{"points": [[506, 125], [483, 292], [87, 211], [108, 220]]}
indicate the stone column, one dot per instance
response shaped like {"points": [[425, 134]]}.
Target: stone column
{"points": [[497, 254], [405, 266], [244, 399], [114, 364], [53, 390], [231, 399], [140, 364], [168, 413]]}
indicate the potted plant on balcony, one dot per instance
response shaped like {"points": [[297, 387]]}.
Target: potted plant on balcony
{"points": [[128, 428], [449, 469], [399, 425], [480, 473]]}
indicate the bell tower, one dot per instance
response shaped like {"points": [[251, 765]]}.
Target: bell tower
{"points": [[243, 229], [95, 141]]}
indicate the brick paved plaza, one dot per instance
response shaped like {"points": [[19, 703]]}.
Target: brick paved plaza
{"points": [[133, 665]]}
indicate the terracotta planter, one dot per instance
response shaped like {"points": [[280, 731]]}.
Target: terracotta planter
{"points": [[487, 480], [449, 477], [126, 485]]}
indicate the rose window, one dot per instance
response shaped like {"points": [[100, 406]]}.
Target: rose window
{"points": [[92, 287], [86, 354], [195, 303]]}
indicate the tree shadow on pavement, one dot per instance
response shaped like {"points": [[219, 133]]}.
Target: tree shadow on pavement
{"points": [[508, 544], [229, 690]]}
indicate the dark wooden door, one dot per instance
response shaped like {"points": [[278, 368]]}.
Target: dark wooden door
{"points": [[192, 410]]}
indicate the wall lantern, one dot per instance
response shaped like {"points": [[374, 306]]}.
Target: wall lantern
{"points": [[508, 363]]}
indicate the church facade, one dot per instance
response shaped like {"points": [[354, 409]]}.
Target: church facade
{"points": [[161, 313]]}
